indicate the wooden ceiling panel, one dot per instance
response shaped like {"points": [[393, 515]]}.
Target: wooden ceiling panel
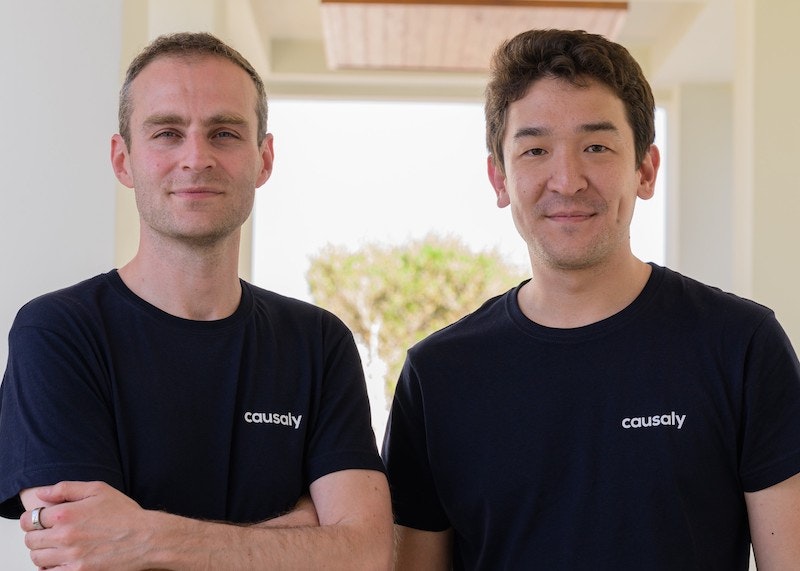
{"points": [[447, 36]]}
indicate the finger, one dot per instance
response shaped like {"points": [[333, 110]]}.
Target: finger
{"points": [[67, 492], [37, 519], [48, 559], [32, 520]]}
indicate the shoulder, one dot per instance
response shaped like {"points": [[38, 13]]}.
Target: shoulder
{"points": [[292, 313], [682, 305], [686, 294], [488, 320], [65, 326], [73, 303]]}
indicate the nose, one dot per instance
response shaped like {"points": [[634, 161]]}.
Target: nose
{"points": [[566, 174], [198, 153]]}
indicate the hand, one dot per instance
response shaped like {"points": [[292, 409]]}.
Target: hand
{"points": [[88, 525]]}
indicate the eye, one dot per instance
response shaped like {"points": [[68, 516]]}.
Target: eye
{"points": [[596, 148], [165, 135], [537, 152], [224, 134]]}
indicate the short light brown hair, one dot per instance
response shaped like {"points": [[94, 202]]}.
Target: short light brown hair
{"points": [[187, 44], [574, 56]]}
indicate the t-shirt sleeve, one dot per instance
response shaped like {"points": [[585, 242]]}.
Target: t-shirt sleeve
{"points": [[55, 418], [406, 455], [771, 419], [341, 434]]}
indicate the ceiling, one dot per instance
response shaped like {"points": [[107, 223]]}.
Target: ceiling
{"points": [[449, 35], [675, 41]]}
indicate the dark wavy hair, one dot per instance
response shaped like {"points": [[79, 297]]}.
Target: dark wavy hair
{"points": [[577, 57], [187, 44]]}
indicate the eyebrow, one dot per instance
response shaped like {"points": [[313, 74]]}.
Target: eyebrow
{"points": [[160, 119], [531, 132], [599, 126], [585, 128]]}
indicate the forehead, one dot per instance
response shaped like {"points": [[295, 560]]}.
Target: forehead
{"points": [[558, 105], [192, 83]]}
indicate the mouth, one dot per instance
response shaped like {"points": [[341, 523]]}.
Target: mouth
{"points": [[196, 193], [569, 217]]}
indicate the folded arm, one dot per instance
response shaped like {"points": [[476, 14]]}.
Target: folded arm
{"points": [[101, 528], [774, 515], [304, 514]]}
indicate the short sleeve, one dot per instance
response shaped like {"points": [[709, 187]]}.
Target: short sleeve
{"points": [[342, 436], [771, 422], [55, 417], [406, 455]]}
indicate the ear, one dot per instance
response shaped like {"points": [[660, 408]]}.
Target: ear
{"points": [[267, 158], [497, 177], [647, 173], [120, 161]]}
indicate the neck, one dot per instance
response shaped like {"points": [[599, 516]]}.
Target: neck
{"points": [[189, 282], [575, 298]]}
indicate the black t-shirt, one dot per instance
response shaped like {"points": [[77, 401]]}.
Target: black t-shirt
{"points": [[625, 444], [228, 420]]}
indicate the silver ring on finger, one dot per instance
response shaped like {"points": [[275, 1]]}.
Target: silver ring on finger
{"points": [[36, 518]]}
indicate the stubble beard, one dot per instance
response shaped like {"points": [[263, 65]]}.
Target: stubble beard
{"points": [[572, 259], [176, 226], [561, 253]]}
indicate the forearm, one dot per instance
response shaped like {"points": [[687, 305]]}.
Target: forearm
{"points": [[182, 543], [91, 525]]}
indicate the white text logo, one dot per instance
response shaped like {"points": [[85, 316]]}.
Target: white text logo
{"points": [[671, 419], [287, 419]]}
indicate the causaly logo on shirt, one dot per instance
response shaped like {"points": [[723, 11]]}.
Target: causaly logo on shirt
{"points": [[281, 419], [670, 419]]}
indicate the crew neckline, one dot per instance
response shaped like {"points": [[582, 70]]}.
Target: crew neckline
{"points": [[242, 311], [598, 328]]}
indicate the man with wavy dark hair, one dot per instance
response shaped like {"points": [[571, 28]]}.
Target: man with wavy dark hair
{"points": [[607, 413], [170, 415]]}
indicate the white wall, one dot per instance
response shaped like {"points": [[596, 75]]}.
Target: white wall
{"points": [[769, 28], [703, 183], [59, 72]]}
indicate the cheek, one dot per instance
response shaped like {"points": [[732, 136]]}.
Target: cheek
{"points": [[522, 185], [626, 202], [148, 166]]}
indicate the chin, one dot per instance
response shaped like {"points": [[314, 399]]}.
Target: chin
{"points": [[584, 260]]}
